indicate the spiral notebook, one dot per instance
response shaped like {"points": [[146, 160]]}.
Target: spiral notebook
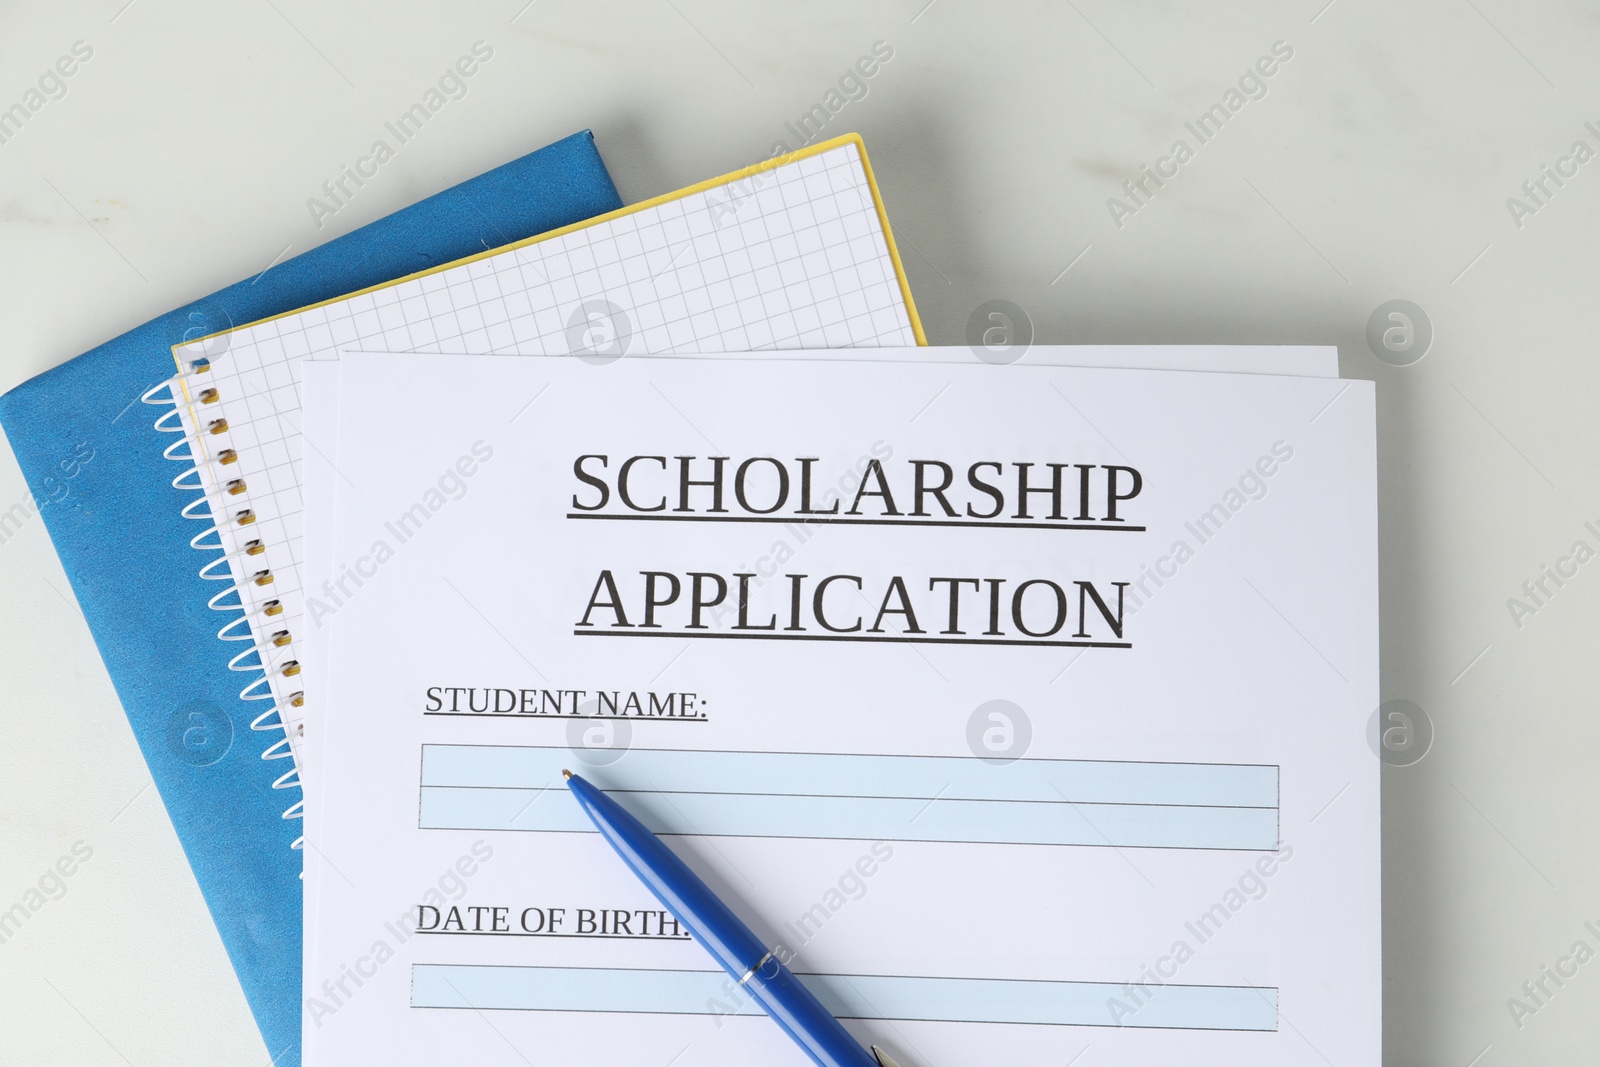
{"points": [[119, 521], [793, 253]]}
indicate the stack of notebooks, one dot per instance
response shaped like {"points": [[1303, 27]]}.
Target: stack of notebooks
{"points": [[1021, 708]]}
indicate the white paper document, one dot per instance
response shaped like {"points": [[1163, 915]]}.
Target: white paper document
{"points": [[320, 479], [1021, 709]]}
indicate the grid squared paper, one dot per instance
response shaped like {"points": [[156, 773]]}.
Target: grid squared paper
{"points": [[789, 258]]}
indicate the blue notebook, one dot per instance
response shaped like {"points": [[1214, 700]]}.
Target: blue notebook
{"points": [[105, 487]]}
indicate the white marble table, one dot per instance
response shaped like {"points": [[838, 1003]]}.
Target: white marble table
{"points": [[1377, 161]]}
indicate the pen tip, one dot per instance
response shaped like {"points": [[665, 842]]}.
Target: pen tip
{"points": [[565, 773], [882, 1057]]}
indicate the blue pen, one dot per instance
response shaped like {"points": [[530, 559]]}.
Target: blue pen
{"points": [[730, 942]]}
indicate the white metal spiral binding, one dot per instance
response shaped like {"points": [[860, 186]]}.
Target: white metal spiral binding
{"points": [[190, 480]]}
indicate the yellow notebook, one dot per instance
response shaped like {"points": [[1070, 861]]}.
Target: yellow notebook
{"points": [[792, 253]]}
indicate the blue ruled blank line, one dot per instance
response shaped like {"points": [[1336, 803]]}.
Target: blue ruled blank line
{"points": [[898, 798], [900, 998]]}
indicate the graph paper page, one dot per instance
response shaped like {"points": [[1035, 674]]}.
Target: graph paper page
{"points": [[793, 256]]}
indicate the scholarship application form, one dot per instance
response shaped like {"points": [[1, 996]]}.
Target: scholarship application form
{"points": [[321, 477], [1021, 708]]}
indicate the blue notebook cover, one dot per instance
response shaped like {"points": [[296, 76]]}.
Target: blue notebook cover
{"points": [[94, 463]]}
